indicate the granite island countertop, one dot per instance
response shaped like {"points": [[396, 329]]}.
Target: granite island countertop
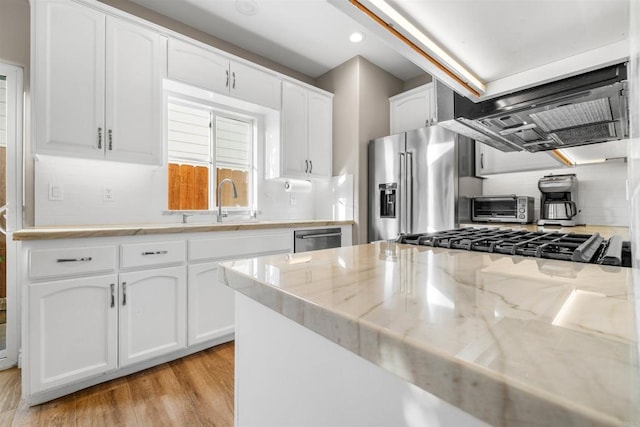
{"points": [[84, 231], [510, 340]]}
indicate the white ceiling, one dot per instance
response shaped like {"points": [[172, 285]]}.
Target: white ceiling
{"points": [[495, 39]]}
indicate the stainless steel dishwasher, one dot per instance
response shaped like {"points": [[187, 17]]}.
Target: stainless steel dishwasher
{"points": [[313, 240]]}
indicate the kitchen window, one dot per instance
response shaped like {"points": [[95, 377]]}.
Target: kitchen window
{"points": [[205, 146]]}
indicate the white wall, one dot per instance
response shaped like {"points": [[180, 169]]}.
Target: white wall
{"points": [[602, 190]]}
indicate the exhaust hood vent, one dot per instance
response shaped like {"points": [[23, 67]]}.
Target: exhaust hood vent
{"points": [[586, 109]]}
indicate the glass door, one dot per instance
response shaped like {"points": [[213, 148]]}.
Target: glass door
{"points": [[11, 149]]}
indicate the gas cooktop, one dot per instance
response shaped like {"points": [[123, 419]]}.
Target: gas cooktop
{"points": [[586, 248]]}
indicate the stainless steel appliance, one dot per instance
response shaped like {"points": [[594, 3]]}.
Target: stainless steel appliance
{"points": [[313, 240], [585, 248], [558, 200], [580, 110], [412, 183], [508, 208]]}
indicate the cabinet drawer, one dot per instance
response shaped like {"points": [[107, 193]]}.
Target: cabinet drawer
{"points": [[236, 247], [45, 263], [153, 253]]}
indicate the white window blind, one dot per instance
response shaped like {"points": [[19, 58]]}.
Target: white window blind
{"points": [[233, 143], [189, 133]]}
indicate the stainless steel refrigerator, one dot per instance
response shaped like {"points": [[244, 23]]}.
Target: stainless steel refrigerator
{"points": [[412, 183]]}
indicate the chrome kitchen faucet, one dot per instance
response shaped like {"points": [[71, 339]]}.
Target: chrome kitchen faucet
{"points": [[235, 195]]}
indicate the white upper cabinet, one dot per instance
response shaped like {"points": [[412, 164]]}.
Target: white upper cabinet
{"points": [[307, 129], [98, 85], [412, 109], [197, 66], [320, 134], [135, 59], [202, 67], [492, 161], [69, 80]]}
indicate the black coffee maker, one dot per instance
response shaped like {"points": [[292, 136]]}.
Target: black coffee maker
{"points": [[558, 200]]}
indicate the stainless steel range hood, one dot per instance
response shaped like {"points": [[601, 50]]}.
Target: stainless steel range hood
{"points": [[581, 110]]}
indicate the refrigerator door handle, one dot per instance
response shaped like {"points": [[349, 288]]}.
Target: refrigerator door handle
{"points": [[403, 193], [409, 192]]}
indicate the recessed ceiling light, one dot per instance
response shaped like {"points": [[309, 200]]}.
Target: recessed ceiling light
{"points": [[356, 37], [247, 7]]}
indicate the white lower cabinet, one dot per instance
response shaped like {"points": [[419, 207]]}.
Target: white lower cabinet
{"points": [[73, 330], [211, 304], [153, 307], [99, 308]]}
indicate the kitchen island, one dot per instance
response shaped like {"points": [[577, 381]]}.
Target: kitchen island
{"points": [[390, 334]]}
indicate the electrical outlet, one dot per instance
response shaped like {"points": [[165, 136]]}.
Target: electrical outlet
{"points": [[107, 193], [292, 200], [56, 192]]}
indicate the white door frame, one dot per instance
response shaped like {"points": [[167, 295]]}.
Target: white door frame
{"points": [[15, 160]]}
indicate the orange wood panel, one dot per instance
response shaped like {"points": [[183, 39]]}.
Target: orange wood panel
{"points": [[174, 186], [187, 186], [201, 188], [242, 185]]}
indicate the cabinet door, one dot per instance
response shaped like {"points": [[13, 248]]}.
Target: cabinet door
{"points": [[294, 130], [253, 85], [73, 327], [211, 304], [152, 313], [198, 66], [490, 160], [134, 73], [69, 79], [411, 111], [320, 135]]}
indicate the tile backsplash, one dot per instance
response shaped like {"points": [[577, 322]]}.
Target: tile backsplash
{"points": [[140, 195], [602, 190]]}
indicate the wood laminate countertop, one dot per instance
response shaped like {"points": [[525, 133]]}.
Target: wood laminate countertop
{"points": [[510, 340], [84, 231]]}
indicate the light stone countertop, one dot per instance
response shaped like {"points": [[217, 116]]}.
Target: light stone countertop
{"points": [[83, 231], [510, 340]]}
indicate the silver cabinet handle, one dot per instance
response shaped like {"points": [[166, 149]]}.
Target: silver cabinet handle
{"points": [[481, 160], [306, 166], [403, 191], [110, 140], [155, 253], [99, 138], [227, 83], [83, 259], [409, 192], [310, 166], [124, 293], [234, 79], [113, 295], [317, 236]]}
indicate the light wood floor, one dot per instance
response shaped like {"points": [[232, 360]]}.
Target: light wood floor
{"points": [[193, 391]]}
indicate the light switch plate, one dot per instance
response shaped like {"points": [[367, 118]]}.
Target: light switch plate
{"points": [[56, 192]]}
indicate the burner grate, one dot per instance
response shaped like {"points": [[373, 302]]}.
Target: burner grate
{"points": [[552, 245]]}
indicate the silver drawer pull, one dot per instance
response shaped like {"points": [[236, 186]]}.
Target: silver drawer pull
{"points": [[155, 253], [84, 259], [317, 236]]}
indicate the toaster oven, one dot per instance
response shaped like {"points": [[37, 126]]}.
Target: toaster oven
{"points": [[509, 208]]}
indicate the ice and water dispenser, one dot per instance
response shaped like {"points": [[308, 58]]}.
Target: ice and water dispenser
{"points": [[388, 200]]}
